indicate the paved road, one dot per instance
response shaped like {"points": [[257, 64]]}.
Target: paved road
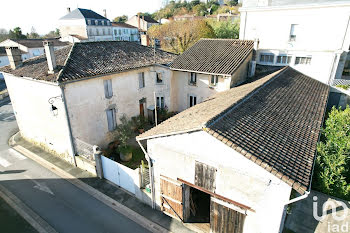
{"points": [[62, 205]]}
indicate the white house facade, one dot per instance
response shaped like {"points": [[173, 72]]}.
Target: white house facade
{"points": [[86, 25], [125, 32], [312, 37], [143, 23]]}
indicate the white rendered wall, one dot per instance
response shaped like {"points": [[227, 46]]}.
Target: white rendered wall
{"points": [[87, 104], [237, 177], [33, 113], [321, 33]]}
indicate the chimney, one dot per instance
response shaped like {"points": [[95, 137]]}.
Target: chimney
{"points": [[143, 23], [50, 56], [105, 13], [14, 56], [138, 21], [68, 10]]}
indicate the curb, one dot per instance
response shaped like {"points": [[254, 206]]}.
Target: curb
{"points": [[129, 213]]}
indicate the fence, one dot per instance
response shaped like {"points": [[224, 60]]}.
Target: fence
{"points": [[144, 173], [83, 149], [120, 175]]}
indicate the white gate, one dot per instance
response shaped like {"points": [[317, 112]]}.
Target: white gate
{"points": [[119, 174]]}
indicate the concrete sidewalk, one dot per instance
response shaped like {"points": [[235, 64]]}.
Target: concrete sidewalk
{"points": [[112, 191]]}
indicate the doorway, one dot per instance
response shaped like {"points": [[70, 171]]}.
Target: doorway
{"points": [[199, 206], [142, 103]]}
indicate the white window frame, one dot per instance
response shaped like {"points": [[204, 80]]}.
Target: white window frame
{"points": [[160, 100], [192, 102], [192, 79], [141, 76], [111, 119], [108, 88], [288, 59], [214, 80], [303, 60], [264, 55], [293, 32]]}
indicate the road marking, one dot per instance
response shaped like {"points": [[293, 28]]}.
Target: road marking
{"points": [[28, 214], [4, 162], [17, 154], [6, 118], [41, 186]]}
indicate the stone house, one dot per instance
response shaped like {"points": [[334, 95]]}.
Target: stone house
{"points": [[85, 24], [143, 23], [208, 67], [317, 46], [29, 48], [230, 163], [81, 91]]}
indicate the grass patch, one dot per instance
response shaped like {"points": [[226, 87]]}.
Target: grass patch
{"points": [[137, 157]]}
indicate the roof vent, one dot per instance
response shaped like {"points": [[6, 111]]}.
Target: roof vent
{"points": [[50, 56], [14, 56]]}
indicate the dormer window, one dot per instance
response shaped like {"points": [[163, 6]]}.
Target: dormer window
{"points": [[96, 22], [89, 22], [103, 23]]}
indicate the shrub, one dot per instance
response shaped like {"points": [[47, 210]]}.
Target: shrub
{"points": [[332, 171]]}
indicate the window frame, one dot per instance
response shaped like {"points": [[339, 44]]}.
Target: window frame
{"points": [[261, 55], [192, 79], [216, 80], [111, 119], [161, 78], [160, 102], [292, 32], [141, 76], [302, 60], [287, 57], [192, 100], [108, 88]]}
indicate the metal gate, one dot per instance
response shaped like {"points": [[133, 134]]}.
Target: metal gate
{"points": [[171, 197]]}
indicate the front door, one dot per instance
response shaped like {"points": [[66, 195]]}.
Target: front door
{"points": [[171, 197], [142, 103]]}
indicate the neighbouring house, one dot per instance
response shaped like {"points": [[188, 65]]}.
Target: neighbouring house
{"points": [[143, 23], [229, 164], [317, 46], [125, 32], [80, 92], [85, 25], [208, 67], [29, 48]]}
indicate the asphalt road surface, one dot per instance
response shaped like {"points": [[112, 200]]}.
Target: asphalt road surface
{"points": [[62, 205]]}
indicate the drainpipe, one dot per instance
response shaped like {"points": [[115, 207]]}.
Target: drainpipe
{"points": [[150, 173], [71, 145]]}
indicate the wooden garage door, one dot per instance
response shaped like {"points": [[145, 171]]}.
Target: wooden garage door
{"points": [[224, 219], [171, 197]]}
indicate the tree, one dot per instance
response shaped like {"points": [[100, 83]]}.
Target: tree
{"points": [[120, 19], [332, 170], [3, 34], [33, 34], [177, 36], [225, 29], [200, 9], [16, 33], [53, 34]]}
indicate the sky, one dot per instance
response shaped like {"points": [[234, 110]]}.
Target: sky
{"points": [[43, 15]]}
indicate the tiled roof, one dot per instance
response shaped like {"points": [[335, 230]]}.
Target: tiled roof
{"points": [[149, 19], [38, 43], [80, 13], [89, 59], [274, 121], [123, 25], [214, 56]]}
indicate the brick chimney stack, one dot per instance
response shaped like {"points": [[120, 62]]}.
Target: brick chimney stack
{"points": [[50, 56], [105, 13], [138, 21], [14, 56]]}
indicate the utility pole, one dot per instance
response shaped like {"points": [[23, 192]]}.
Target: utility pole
{"points": [[155, 108]]}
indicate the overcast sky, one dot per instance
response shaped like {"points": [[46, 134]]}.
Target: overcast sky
{"points": [[44, 14]]}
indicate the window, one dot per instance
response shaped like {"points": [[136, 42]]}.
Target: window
{"points": [[112, 124], [293, 32], [193, 79], [159, 78], [302, 60], [160, 102], [266, 58], [108, 88], [103, 31], [193, 100], [103, 23], [120, 31], [109, 31], [97, 31], [141, 80], [284, 59], [89, 22], [96, 22], [214, 80]]}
